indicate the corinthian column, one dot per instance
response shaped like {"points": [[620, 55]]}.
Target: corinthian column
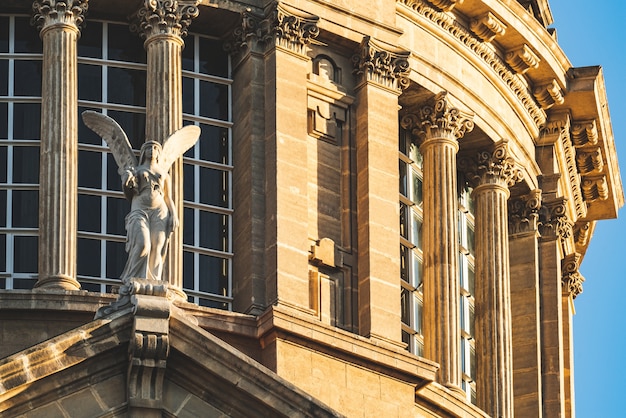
{"points": [[163, 24], [439, 125], [492, 173], [59, 25]]}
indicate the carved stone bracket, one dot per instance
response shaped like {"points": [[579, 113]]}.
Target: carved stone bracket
{"points": [[549, 94], [595, 187], [496, 166], [581, 233], [584, 133], [380, 64], [438, 119], [522, 59], [53, 12], [553, 221], [571, 278], [524, 212], [164, 17], [281, 25], [589, 161], [487, 27], [445, 5]]}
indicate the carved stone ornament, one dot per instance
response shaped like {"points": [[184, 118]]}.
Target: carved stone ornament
{"points": [[524, 212], [571, 278], [492, 167], [281, 25], [51, 12], [382, 64], [445, 5], [581, 233], [589, 161], [164, 17], [438, 119], [549, 94], [584, 133], [487, 27], [553, 221], [522, 59], [595, 187]]}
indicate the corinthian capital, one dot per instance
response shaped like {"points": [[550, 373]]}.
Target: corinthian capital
{"points": [[524, 212], [164, 17], [553, 221], [496, 166], [571, 278], [382, 65], [50, 12]]}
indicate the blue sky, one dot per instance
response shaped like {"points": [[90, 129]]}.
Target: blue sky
{"points": [[592, 33]]}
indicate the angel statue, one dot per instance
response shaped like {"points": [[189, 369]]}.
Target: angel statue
{"points": [[146, 184]]}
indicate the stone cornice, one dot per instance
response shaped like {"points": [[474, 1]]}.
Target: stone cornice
{"points": [[382, 65], [47, 13], [571, 278], [524, 212], [164, 17], [445, 5], [281, 25], [438, 119], [485, 52], [495, 166]]}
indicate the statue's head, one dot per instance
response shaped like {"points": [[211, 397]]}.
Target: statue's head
{"points": [[150, 150]]}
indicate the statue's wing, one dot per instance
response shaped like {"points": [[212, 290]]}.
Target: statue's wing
{"points": [[177, 144], [114, 136]]}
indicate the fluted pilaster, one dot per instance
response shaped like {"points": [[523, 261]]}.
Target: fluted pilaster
{"points": [[163, 24], [492, 173], [59, 25], [438, 125]]}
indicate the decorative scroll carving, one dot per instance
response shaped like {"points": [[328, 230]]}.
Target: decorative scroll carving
{"points": [[589, 161], [280, 26], [522, 59], [50, 12], [487, 27], [492, 167], [445, 5], [524, 212], [553, 222], [438, 119], [164, 17], [549, 94], [484, 51], [378, 63], [595, 187], [559, 125], [571, 278], [581, 233], [584, 133]]}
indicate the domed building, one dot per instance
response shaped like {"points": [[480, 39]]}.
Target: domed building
{"points": [[385, 213]]}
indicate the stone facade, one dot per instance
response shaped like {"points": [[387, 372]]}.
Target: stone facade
{"points": [[311, 262]]}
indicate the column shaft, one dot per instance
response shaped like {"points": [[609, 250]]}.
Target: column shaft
{"points": [[58, 180]]}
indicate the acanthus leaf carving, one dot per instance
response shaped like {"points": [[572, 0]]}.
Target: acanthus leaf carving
{"points": [[381, 64], [524, 212], [571, 278], [495, 166], [50, 12], [553, 220], [164, 17]]}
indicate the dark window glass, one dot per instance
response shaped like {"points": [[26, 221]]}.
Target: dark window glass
{"points": [[3, 164], [26, 36], [4, 34], [3, 253], [124, 45], [213, 304], [213, 100], [90, 42], [4, 120], [90, 82], [3, 210], [188, 96], [213, 231], [116, 258], [90, 287], [188, 226], [188, 270], [89, 213], [25, 208], [86, 135], [126, 86], [26, 284], [403, 189], [214, 144], [213, 189], [26, 165], [25, 256], [27, 78], [4, 77], [188, 53], [89, 169], [188, 182], [117, 209], [405, 306], [26, 120], [113, 179], [134, 124], [404, 226], [404, 263], [213, 274], [88, 262], [213, 58]]}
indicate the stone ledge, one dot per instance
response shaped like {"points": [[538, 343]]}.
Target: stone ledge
{"points": [[57, 300]]}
